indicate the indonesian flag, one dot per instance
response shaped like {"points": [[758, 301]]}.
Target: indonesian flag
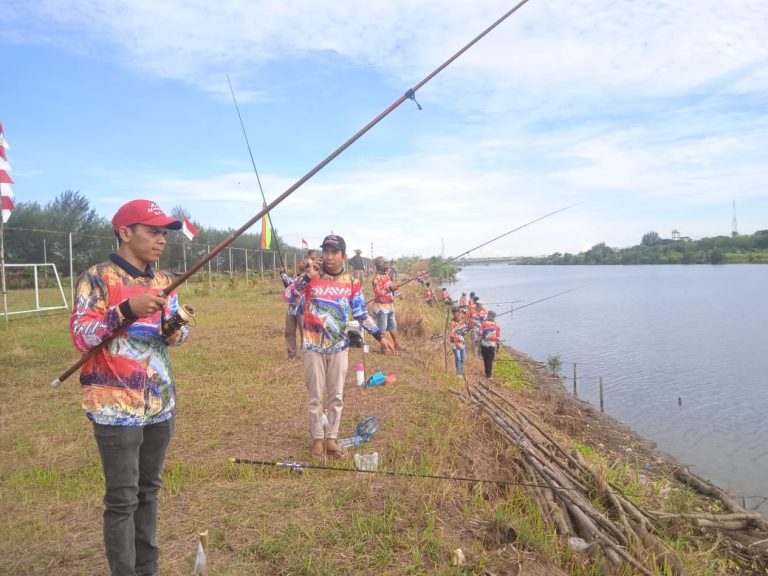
{"points": [[304, 245], [189, 229], [266, 231], [6, 195]]}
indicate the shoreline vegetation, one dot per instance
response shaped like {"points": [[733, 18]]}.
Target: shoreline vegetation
{"points": [[736, 249], [548, 484]]}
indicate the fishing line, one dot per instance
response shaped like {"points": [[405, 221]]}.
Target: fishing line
{"points": [[409, 94], [253, 163], [541, 300], [446, 262]]}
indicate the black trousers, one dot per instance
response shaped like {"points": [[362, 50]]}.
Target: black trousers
{"points": [[488, 353]]}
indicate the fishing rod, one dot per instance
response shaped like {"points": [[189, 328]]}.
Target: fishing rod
{"points": [[446, 262], [541, 300], [253, 163], [410, 94], [299, 468]]}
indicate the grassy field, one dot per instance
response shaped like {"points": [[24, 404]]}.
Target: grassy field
{"points": [[239, 397]]}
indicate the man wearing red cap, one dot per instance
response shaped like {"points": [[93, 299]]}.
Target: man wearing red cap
{"points": [[128, 389]]}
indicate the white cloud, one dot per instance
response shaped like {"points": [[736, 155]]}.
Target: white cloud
{"points": [[634, 107]]}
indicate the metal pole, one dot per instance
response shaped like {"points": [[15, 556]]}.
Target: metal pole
{"points": [[37, 291], [230, 262], [602, 403], [210, 274], [574, 379], [71, 270], [184, 256], [246, 266], [2, 271]]}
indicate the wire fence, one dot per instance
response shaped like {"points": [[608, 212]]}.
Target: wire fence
{"points": [[72, 253]]}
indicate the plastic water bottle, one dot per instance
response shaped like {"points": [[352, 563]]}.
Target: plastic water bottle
{"points": [[360, 373]]}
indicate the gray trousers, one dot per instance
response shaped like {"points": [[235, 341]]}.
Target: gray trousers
{"points": [[132, 458]]}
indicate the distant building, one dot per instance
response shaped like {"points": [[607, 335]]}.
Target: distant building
{"points": [[676, 236]]}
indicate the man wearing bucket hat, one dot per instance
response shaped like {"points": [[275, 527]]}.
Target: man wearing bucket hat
{"points": [[331, 298], [128, 389], [358, 265]]}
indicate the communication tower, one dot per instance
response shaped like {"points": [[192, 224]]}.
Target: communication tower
{"points": [[734, 230]]}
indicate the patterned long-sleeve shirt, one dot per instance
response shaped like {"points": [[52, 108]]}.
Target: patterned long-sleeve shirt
{"points": [[382, 292], [329, 304], [458, 328], [490, 333], [129, 382], [292, 296]]}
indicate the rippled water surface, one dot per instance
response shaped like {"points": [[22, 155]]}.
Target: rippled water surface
{"points": [[683, 352]]}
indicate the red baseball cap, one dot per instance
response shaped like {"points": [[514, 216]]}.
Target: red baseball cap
{"points": [[143, 212]]}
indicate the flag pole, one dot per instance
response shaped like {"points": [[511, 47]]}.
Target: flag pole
{"points": [[184, 255], [2, 270]]}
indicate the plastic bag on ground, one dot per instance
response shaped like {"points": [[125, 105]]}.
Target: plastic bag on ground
{"points": [[367, 462]]}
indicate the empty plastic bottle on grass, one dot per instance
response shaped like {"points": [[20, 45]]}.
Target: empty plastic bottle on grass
{"points": [[360, 374], [363, 432]]}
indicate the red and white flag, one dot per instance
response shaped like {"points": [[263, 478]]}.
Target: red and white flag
{"points": [[6, 196], [304, 245], [189, 229]]}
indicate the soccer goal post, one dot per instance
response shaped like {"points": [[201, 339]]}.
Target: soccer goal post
{"points": [[33, 288]]}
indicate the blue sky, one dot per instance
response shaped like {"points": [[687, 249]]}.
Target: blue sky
{"points": [[652, 114]]}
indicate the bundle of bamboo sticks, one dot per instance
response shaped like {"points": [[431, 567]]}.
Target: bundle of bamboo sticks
{"points": [[566, 488]]}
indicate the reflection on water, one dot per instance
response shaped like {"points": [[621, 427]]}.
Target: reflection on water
{"points": [[682, 351]]}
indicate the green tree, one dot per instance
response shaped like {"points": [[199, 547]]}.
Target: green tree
{"points": [[650, 238]]}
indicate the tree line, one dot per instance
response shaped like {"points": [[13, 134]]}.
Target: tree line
{"points": [[40, 233], [736, 249]]}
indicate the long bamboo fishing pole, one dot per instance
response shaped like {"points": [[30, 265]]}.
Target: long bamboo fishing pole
{"points": [[253, 163], [446, 262], [410, 94]]}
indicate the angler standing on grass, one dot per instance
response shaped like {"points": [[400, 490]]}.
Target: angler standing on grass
{"points": [[128, 388], [384, 298], [294, 316], [331, 297], [490, 335], [458, 328], [358, 265]]}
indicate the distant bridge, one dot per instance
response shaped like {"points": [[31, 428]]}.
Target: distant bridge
{"points": [[490, 260]]}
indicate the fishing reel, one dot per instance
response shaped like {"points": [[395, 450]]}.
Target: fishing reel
{"points": [[181, 317]]}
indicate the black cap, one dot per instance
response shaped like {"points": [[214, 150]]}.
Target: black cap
{"points": [[334, 243]]}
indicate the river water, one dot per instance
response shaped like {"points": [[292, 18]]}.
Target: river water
{"points": [[682, 350]]}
